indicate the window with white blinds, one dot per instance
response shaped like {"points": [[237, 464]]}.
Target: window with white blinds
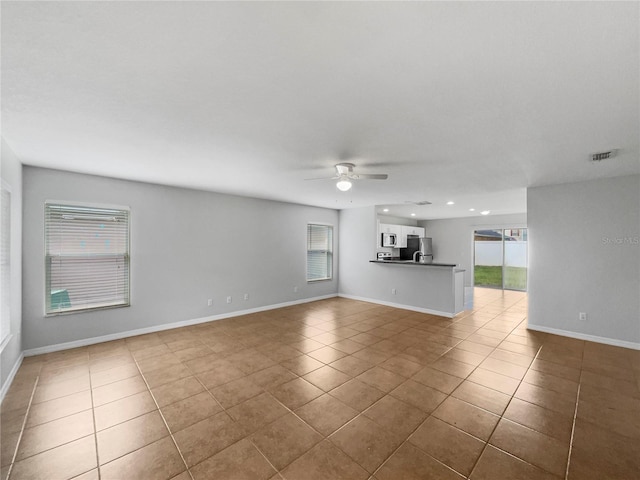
{"points": [[5, 262], [87, 258], [319, 252]]}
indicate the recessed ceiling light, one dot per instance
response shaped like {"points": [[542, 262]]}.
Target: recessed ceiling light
{"points": [[450, 202], [485, 212], [385, 209], [413, 214], [472, 209]]}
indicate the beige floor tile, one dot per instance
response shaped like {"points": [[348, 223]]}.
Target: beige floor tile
{"points": [[495, 381], [296, 393], [494, 464], [436, 379], [409, 463], [540, 419], [122, 410], [61, 389], [117, 390], [55, 433], [257, 412], [467, 417], [366, 442], [208, 437], [302, 365], [453, 367], [126, 437], [358, 395], [382, 379], [326, 378], [157, 461], [284, 440], [327, 354], [351, 365], [531, 446], [166, 375], [239, 461], [186, 412], [420, 396], [557, 402], [272, 376], [551, 382], [58, 408], [236, 391], [63, 462], [322, 462], [395, 416], [326, 414], [451, 446], [179, 390], [104, 377]]}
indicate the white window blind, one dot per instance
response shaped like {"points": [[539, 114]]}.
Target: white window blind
{"points": [[319, 252], [5, 263], [87, 258]]}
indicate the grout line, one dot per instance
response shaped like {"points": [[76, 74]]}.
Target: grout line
{"points": [[22, 428], [575, 414], [93, 416], [163, 419]]}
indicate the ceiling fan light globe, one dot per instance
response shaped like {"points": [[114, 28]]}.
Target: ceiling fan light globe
{"points": [[343, 185]]}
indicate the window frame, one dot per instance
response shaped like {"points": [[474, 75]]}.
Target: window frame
{"points": [[127, 257], [330, 252]]}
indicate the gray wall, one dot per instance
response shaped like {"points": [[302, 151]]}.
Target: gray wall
{"points": [[186, 246], [453, 238], [11, 172], [585, 257]]}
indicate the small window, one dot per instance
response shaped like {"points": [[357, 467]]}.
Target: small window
{"points": [[5, 262], [319, 252], [86, 258]]}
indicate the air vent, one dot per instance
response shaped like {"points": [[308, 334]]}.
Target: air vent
{"points": [[423, 202], [600, 156]]}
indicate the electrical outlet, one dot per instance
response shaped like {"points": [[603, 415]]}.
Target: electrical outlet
{"points": [[394, 291], [246, 296], [582, 316], [229, 299], [210, 302], [295, 289]]}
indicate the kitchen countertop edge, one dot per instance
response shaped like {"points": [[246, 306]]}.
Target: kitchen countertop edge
{"points": [[401, 262]]}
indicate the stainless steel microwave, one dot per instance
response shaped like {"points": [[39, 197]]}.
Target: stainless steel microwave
{"points": [[389, 240]]}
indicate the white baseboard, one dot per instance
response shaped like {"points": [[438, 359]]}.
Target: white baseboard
{"points": [[397, 305], [583, 336], [167, 326], [12, 374]]}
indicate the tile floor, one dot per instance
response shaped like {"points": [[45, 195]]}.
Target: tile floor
{"points": [[335, 389]]}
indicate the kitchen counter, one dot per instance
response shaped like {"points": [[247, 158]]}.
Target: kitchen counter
{"points": [[436, 289], [411, 262]]}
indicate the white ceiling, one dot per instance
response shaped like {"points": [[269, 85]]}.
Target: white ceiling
{"points": [[471, 102]]}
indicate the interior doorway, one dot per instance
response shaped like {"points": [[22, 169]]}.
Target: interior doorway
{"points": [[500, 258]]}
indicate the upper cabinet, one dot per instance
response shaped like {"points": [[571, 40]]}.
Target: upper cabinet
{"points": [[419, 231], [388, 228]]}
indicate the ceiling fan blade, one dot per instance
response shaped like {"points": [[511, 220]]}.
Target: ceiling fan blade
{"points": [[371, 176], [322, 178]]}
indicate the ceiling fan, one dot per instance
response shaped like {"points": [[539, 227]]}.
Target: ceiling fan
{"points": [[344, 175]]}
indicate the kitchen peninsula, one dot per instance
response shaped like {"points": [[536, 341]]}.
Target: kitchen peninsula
{"points": [[436, 288]]}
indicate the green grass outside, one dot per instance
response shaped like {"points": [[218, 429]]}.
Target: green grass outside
{"points": [[515, 277]]}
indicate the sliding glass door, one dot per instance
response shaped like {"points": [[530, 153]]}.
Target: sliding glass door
{"points": [[500, 258]]}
